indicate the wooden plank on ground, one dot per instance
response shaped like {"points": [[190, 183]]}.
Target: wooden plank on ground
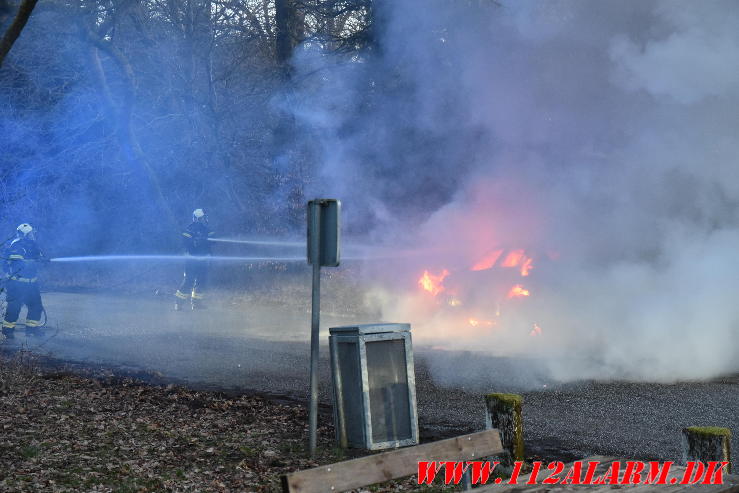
{"points": [[731, 482], [394, 464]]}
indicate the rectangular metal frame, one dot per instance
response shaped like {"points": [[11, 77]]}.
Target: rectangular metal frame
{"points": [[339, 412], [361, 338]]}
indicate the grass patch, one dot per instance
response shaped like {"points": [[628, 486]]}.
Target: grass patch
{"points": [[30, 451]]}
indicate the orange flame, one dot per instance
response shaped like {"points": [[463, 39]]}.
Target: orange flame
{"points": [[513, 258], [536, 331], [518, 291], [432, 283], [488, 261], [526, 266], [480, 323]]}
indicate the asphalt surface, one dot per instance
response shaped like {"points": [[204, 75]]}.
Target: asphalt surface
{"points": [[264, 347]]}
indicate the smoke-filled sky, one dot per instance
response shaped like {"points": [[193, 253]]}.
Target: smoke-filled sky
{"points": [[601, 137]]}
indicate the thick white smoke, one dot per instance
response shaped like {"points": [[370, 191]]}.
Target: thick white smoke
{"points": [[601, 137]]}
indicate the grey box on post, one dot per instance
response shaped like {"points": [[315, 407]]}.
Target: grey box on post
{"points": [[374, 386], [328, 229]]}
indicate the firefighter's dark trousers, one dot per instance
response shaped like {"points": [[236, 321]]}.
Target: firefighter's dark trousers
{"points": [[19, 293], [195, 279]]}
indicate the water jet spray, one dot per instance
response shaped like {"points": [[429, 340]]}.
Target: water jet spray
{"points": [[278, 243], [178, 258]]}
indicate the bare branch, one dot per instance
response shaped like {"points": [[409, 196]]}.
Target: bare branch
{"points": [[15, 29]]}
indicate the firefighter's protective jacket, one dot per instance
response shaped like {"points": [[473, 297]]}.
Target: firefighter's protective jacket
{"points": [[195, 238], [21, 260]]}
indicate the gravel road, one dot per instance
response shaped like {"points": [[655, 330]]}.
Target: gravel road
{"points": [[265, 348]]}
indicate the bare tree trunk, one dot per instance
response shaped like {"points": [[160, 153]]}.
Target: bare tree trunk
{"points": [[290, 28], [126, 135], [14, 30]]}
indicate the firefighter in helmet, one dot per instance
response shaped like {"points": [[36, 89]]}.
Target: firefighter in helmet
{"points": [[197, 247], [22, 257]]}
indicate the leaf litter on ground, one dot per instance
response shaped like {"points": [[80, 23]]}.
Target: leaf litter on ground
{"points": [[90, 429]]}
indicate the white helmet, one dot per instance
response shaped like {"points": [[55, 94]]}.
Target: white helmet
{"points": [[25, 230], [198, 215]]}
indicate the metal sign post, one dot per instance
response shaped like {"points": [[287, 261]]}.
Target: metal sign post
{"points": [[323, 249]]}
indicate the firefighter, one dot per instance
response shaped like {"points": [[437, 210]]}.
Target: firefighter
{"points": [[197, 248], [22, 257]]}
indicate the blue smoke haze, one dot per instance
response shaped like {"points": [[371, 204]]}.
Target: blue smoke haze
{"points": [[600, 134]]}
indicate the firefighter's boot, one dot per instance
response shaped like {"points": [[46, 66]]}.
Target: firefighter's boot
{"points": [[196, 299], [33, 331], [8, 328], [33, 327], [7, 333], [180, 299]]}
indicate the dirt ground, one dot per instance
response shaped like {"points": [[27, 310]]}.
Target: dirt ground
{"points": [[88, 429]]}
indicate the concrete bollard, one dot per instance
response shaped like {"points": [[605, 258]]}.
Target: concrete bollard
{"points": [[503, 411], [706, 443]]}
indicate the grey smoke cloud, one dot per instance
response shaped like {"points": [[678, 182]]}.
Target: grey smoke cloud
{"points": [[697, 59], [601, 137]]}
